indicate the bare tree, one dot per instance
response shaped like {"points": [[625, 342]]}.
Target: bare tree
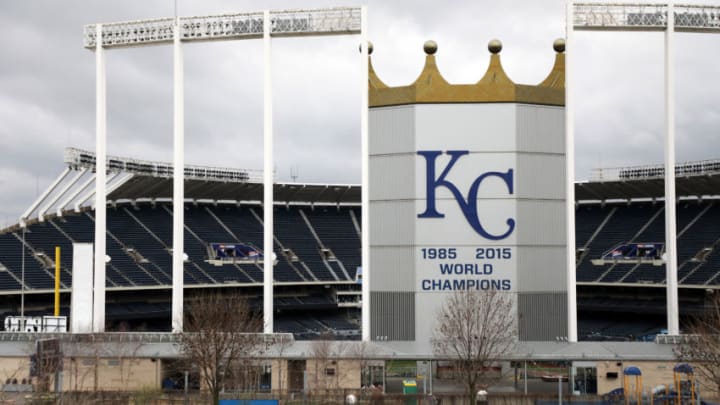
{"points": [[701, 346], [221, 334], [325, 352], [364, 353], [124, 355], [113, 356], [281, 342], [475, 330], [321, 352]]}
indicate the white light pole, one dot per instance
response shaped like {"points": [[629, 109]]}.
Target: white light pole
{"points": [[100, 182], [178, 260], [570, 180], [673, 318], [268, 197], [365, 178], [22, 280]]}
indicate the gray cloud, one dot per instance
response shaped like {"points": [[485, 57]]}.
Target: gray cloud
{"points": [[47, 86]]}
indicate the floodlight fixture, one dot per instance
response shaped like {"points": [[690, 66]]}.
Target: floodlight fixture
{"points": [[645, 17], [283, 23]]}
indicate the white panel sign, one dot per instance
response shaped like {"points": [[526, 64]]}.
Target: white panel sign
{"points": [[81, 302], [55, 324]]}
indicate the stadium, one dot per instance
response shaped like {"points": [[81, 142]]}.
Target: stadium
{"points": [[317, 246], [447, 210], [619, 248], [620, 296]]}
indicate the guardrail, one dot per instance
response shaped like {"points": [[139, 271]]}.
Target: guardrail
{"points": [[119, 337], [684, 169]]}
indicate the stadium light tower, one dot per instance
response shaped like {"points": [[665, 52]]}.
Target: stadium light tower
{"points": [[636, 17], [176, 31]]}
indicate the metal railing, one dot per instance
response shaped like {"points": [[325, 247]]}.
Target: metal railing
{"points": [[674, 339], [77, 159], [644, 172], [338, 20], [629, 16], [123, 337]]}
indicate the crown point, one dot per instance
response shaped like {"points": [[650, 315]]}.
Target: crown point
{"points": [[370, 47], [430, 47], [559, 45], [494, 46]]}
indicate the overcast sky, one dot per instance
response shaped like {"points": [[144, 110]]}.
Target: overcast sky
{"points": [[47, 86]]}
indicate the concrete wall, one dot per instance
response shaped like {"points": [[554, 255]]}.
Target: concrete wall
{"points": [[654, 373], [279, 377], [111, 374], [14, 367], [82, 374], [346, 374]]}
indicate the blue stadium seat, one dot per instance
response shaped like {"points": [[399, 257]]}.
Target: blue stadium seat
{"points": [[12, 250], [335, 228], [244, 224], [294, 234]]}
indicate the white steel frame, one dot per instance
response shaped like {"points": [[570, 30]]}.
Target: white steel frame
{"points": [[42, 197], [265, 25], [70, 184], [634, 17]]}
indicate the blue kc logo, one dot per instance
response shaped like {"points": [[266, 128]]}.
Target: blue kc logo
{"points": [[468, 205]]}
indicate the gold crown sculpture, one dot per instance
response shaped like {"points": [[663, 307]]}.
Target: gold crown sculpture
{"points": [[494, 87]]}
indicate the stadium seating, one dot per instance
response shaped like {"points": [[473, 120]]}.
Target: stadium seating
{"points": [[244, 223], [140, 237], [154, 227], [294, 234], [202, 229], [44, 238], [697, 227], [702, 234], [620, 224], [322, 243], [36, 276], [139, 241], [334, 226], [134, 236]]}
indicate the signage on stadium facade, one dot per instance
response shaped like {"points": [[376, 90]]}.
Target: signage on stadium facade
{"points": [[33, 324], [465, 268], [468, 205], [465, 221]]}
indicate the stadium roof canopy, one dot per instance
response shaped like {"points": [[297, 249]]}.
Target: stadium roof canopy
{"points": [[692, 179], [153, 180], [132, 180], [696, 186], [139, 187]]}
